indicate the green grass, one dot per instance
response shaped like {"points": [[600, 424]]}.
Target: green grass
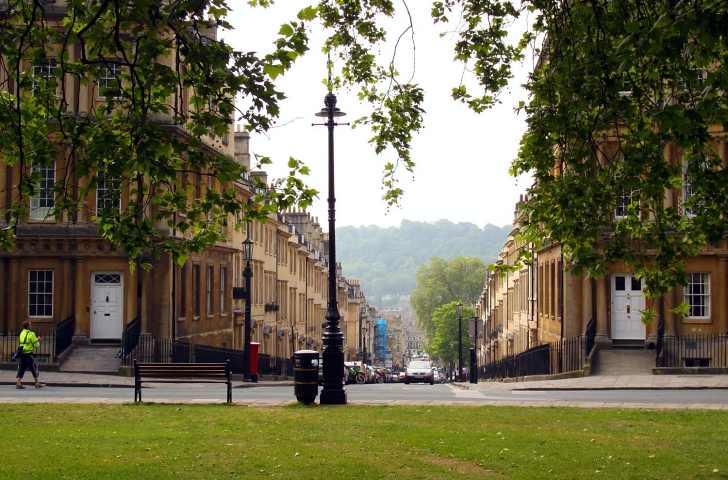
{"points": [[131, 441]]}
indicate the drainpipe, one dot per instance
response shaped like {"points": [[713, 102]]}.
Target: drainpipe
{"points": [[532, 291], [275, 333], [561, 309]]}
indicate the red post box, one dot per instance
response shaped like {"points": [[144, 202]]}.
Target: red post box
{"points": [[253, 369]]}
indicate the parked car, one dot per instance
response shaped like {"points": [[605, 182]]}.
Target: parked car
{"points": [[436, 376], [419, 371], [400, 376]]}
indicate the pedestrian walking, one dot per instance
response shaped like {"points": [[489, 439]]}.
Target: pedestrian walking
{"points": [[27, 360]]}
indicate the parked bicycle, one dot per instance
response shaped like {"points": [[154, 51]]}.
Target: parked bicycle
{"points": [[356, 373]]}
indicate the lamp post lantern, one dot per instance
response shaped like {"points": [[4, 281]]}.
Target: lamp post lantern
{"points": [[460, 342], [333, 392], [248, 274]]}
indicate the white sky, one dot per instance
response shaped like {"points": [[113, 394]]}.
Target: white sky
{"points": [[462, 158]]}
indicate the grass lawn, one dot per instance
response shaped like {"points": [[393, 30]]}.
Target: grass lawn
{"points": [[50, 441]]}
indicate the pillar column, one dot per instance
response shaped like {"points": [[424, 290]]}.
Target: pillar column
{"points": [[602, 337], [4, 189], [721, 311], [15, 316], [67, 289], [651, 329], [670, 318], [81, 303], [82, 214], [142, 293], [84, 92], [587, 299], [3, 306]]}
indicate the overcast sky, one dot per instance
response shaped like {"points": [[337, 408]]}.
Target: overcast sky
{"points": [[462, 158]]}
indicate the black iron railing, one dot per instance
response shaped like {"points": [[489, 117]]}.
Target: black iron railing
{"points": [[572, 353], [130, 340], [703, 350], [64, 336], [157, 350], [45, 353], [660, 339], [590, 335], [147, 348], [209, 354], [546, 359]]}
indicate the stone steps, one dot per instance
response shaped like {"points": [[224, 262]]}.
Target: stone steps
{"points": [[624, 361], [92, 359]]}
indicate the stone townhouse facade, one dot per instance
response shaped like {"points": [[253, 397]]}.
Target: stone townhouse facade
{"points": [[63, 267], [544, 302]]}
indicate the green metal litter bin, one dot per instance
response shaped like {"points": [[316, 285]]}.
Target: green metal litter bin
{"points": [[305, 375]]}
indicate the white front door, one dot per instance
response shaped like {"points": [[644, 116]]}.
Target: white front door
{"points": [[627, 303], [106, 305]]}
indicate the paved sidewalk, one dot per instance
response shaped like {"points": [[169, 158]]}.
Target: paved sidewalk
{"points": [[595, 382], [71, 379], [608, 382]]}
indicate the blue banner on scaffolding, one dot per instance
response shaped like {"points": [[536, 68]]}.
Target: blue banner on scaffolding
{"points": [[380, 339]]}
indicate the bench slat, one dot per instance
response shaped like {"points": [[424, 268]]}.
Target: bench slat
{"points": [[181, 373]]}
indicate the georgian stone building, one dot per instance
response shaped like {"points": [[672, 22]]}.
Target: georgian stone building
{"points": [[61, 267], [544, 303]]}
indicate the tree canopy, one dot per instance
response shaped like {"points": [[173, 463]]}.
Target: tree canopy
{"points": [[444, 281], [645, 75], [628, 107], [446, 320], [385, 260]]}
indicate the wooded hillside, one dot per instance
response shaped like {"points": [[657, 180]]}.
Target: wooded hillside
{"points": [[385, 260]]}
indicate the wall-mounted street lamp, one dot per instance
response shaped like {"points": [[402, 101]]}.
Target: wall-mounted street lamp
{"points": [[333, 392], [248, 274]]}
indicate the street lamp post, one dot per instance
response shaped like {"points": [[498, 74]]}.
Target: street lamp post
{"points": [[333, 392], [460, 341], [248, 274]]}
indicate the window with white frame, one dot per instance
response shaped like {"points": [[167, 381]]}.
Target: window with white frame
{"points": [[42, 203], [40, 293], [109, 84], [626, 193], [697, 295], [208, 290], [223, 288], [698, 76], [687, 188], [108, 191], [625, 198], [196, 290], [625, 87], [44, 71]]}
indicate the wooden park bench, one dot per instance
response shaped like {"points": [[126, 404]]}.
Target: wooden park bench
{"points": [[182, 373]]}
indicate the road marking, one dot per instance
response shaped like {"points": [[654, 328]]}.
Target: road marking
{"points": [[468, 394]]}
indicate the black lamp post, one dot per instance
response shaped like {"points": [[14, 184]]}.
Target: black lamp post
{"points": [[248, 274], [474, 353], [460, 341], [333, 392]]}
